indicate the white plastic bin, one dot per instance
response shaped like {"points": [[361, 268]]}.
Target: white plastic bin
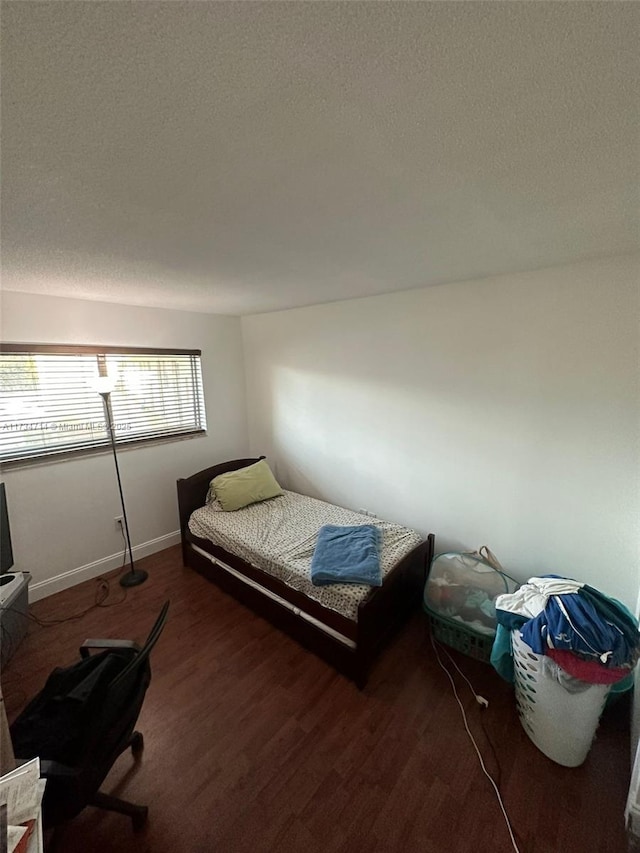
{"points": [[561, 722]]}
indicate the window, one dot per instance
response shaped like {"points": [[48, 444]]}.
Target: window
{"points": [[49, 403]]}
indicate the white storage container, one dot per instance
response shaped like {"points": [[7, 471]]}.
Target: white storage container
{"points": [[559, 713]]}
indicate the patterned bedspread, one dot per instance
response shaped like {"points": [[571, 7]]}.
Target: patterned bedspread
{"points": [[279, 537]]}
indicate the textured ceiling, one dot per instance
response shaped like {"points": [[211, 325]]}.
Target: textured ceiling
{"points": [[243, 157]]}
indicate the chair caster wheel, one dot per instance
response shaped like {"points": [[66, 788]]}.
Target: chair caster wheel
{"points": [[139, 821], [136, 744]]}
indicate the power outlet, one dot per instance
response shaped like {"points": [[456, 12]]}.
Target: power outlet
{"points": [[368, 512], [119, 523]]}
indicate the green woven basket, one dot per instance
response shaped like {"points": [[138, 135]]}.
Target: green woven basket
{"points": [[456, 635]]}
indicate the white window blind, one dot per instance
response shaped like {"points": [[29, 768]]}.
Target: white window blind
{"points": [[49, 405]]}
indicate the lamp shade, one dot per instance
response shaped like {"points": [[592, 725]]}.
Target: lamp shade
{"points": [[103, 384]]}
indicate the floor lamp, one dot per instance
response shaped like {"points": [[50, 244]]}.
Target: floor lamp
{"points": [[104, 387]]}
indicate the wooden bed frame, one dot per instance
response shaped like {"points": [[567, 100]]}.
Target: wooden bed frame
{"points": [[349, 646]]}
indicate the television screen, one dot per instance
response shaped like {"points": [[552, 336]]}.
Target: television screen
{"points": [[6, 552]]}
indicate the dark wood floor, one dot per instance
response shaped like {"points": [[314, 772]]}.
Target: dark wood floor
{"points": [[254, 744]]}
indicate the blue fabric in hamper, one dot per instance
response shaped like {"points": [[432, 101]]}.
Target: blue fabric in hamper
{"points": [[349, 554]]}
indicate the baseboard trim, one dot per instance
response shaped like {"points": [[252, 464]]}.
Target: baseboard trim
{"points": [[45, 588]]}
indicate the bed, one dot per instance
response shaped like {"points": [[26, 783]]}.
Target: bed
{"points": [[261, 554]]}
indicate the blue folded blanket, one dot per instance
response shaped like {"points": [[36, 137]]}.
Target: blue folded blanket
{"points": [[347, 555]]}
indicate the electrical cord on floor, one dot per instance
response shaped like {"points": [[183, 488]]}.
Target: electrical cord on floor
{"points": [[481, 701], [103, 591]]}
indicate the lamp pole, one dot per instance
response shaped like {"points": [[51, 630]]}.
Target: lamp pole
{"points": [[134, 577]]}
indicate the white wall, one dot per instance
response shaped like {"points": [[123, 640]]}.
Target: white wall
{"points": [[62, 514], [501, 411]]}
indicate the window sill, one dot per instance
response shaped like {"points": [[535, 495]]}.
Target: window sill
{"points": [[121, 447]]}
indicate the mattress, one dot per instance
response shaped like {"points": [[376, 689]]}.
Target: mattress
{"points": [[279, 537]]}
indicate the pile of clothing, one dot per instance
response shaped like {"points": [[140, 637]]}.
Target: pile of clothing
{"points": [[591, 638]]}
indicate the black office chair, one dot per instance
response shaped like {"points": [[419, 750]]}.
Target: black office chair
{"points": [[82, 720]]}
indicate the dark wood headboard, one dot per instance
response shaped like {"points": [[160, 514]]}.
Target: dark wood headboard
{"points": [[192, 491]]}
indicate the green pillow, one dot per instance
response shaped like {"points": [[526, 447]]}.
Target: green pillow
{"points": [[249, 485]]}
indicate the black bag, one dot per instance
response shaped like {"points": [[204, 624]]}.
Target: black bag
{"points": [[57, 723]]}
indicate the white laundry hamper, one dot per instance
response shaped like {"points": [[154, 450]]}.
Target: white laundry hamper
{"points": [[562, 724]]}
